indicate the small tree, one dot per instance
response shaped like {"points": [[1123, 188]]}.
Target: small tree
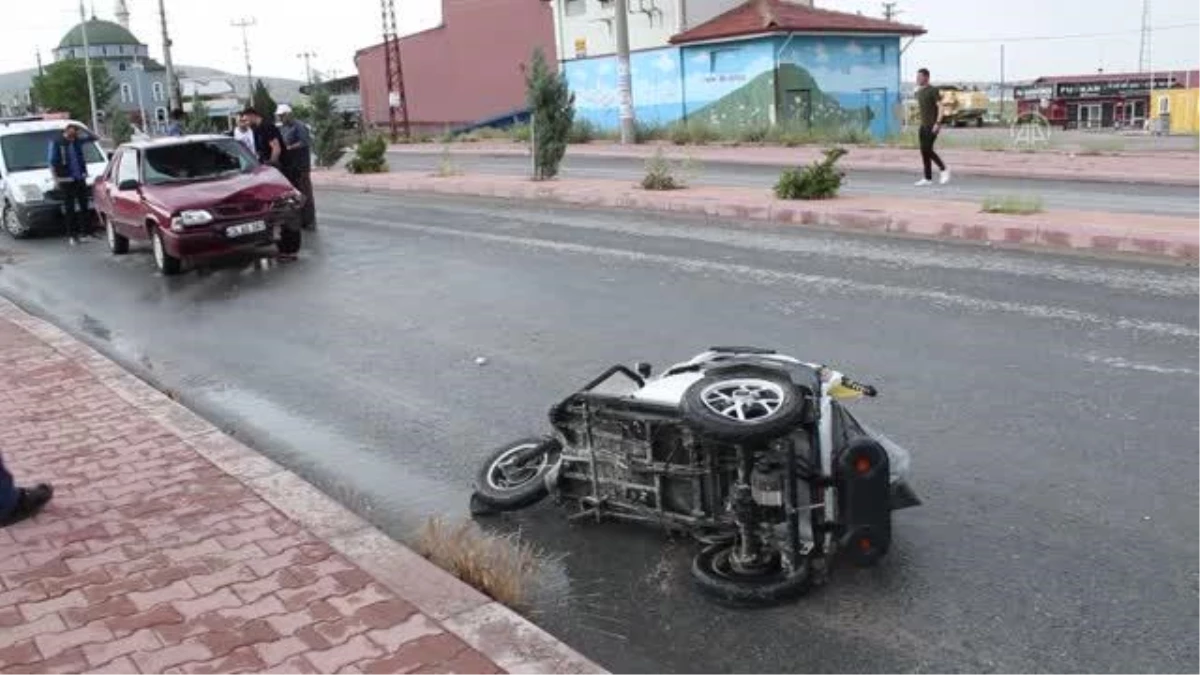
{"points": [[263, 103], [370, 156], [198, 122], [552, 110], [119, 126], [63, 87], [819, 180], [326, 126]]}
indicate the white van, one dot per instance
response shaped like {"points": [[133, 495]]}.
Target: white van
{"points": [[29, 199]]}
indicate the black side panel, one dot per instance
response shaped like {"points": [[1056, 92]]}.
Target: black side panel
{"points": [[864, 501]]}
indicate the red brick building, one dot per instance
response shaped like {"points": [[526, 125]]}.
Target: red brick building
{"points": [[467, 69]]}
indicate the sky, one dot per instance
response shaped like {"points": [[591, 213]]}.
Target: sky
{"points": [[963, 43]]}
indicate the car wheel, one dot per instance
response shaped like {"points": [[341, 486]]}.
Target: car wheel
{"points": [[12, 223], [166, 263], [289, 240], [716, 575], [743, 405], [118, 244], [514, 476]]}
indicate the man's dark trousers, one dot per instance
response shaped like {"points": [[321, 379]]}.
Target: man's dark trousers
{"points": [[75, 201], [928, 157]]}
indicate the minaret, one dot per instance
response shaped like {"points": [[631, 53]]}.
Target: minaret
{"points": [[122, 13]]}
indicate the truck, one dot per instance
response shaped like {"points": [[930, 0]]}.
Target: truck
{"points": [[960, 106]]}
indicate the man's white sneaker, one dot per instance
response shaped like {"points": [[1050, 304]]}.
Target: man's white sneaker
{"points": [[944, 177], [923, 182]]}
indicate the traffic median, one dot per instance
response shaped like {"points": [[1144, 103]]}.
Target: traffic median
{"points": [[1099, 233]]}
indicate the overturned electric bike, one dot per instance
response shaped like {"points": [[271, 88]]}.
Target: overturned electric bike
{"points": [[751, 452]]}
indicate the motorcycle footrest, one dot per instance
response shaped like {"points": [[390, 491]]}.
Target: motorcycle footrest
{"points": [[864, 501]]}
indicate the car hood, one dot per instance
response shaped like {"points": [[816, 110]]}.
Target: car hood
{"points": [[263, 184]]}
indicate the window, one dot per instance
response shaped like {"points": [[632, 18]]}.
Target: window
{"points": [[202, 160], [1164, 105], [126, 93], [724, 60], [157, 87], [576, 7], [29, 151], [128, 168], [160, 115], [121, 67]]}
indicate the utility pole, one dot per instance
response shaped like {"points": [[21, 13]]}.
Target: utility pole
{"points": [[244, 24], [397, 98], [307, 56], [173, 102], [87, 67], [890, 11], [1144, 46], [1002, 83], [624, 78]]}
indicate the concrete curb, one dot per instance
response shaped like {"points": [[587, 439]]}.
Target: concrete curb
{"points": [[508, 639], [1056, 166], [1158, 237]]}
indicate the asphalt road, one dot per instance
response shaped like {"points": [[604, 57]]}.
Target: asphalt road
{"points": [[1050, 404], [1075, 195]]}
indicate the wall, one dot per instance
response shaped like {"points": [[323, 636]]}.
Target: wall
{"points": [[652, 23], [1184, 108], [466, 70], [823, 82]]}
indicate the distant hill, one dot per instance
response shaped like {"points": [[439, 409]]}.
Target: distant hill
{"points": [[282, 89]]}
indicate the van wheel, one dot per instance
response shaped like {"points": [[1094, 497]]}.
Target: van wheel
{"points": [[166, 263], [118, 244], [12, 223]]}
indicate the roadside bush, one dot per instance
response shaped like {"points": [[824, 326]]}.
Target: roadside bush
{"points": [[1013, 205], [502, 567], [447, 167], [660, 174], [520, 133], [120, 128], [553, 113], [820, 180], [583, 131], [693, 132], [370, 156]]}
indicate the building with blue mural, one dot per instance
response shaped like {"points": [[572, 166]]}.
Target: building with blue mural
{"points": [[765, 62]]}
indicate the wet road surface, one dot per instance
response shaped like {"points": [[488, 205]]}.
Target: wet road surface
{"points": [[1050, 404], [1075, 195]]}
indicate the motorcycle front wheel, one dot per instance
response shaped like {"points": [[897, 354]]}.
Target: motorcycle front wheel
{"points": [[514, 475], [716, 576]]}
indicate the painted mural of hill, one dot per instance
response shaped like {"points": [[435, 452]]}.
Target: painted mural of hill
{"points": [[751, 103]]}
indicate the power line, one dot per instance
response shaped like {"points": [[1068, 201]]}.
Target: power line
{"points": [[244, 24], [1073, 36]]}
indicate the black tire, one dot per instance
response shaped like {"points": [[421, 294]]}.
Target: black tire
{"points": [[762, 423], [12, 224], [117, 243], [529, 489], [289, 240], [166, 263], [716, 578]]}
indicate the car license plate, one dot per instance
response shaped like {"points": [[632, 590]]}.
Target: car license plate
{"points": [[245, 228]]}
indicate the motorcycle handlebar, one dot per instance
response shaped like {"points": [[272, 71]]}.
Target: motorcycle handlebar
{"points": [[864, 389]]}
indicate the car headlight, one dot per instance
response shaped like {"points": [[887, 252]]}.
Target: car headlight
{"points": [[293, 200], [190, 219], [28, 193]]}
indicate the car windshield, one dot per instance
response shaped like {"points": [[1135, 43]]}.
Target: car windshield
{"points": [[202, 160], [30, 151]]}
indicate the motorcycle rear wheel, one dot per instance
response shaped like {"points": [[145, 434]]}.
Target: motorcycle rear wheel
{"points": [[514, 475], [716, 577]]}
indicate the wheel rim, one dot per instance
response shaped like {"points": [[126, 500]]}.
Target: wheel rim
{"points": [[110, 233], [160, 256], [10, 220], [723, 565], [506, 473], [748, 400]]}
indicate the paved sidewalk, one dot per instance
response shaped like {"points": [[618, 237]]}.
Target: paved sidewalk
{"points": [[1163, 167], [1174, 238], [169, 547]]}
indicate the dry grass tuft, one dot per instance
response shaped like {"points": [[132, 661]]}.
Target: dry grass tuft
{"points": [[501, 566]]}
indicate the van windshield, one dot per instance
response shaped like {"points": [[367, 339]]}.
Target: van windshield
{"points": [[30, 151], [204, 160]]}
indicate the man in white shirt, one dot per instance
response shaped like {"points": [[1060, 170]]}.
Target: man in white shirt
{"points": [[244, 134]]}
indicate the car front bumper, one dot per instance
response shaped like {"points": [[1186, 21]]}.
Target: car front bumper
{"points": [[212, 241], [45, 216]]}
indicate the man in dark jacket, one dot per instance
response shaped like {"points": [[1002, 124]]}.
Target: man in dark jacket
{"points": [[267, 141], [17, 504], [69, 167], [297, 161]]}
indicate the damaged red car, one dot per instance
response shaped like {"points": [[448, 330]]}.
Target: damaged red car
{"points": [[195, 198]]}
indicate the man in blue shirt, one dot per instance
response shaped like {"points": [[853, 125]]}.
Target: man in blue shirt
{"points": [[70, 173], [175, 128]]}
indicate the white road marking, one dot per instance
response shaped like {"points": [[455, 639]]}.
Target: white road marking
{"points": [[1125, 364]]}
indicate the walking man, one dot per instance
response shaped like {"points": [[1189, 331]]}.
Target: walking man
{"points": [[17, 504], [929, 104], [297, 161], [69, 169]]}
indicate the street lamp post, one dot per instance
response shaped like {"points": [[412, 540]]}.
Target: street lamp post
{"points": [[87, 67]]}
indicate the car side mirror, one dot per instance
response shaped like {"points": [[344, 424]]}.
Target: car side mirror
{"points": [[128, 185]]}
